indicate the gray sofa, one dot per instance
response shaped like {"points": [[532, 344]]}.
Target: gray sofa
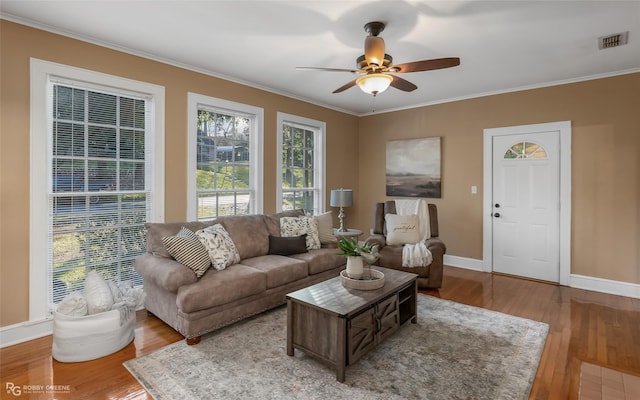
{"points": [[194, 306]]}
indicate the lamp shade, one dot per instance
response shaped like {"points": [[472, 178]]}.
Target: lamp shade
{"points": [[341, 198], [374, 83]]}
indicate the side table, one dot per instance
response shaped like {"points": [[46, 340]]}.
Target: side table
{"points": [[355, 233]]}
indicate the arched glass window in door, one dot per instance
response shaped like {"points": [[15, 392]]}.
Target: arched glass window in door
{"points": [[525, 150]]}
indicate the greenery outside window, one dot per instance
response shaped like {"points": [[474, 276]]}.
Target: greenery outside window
{"points": [[225, 158], [301, 163]]}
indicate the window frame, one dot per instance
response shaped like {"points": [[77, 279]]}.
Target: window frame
{"points": [[319, 153], [41, 121], [256, 151]]}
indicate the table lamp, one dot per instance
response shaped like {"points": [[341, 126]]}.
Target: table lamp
{"points": [[341, 198]]}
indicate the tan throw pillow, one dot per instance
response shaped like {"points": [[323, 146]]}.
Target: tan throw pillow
{"points": [[185, 247], [325, 227], [296, 226], [402, 229], [222, 251]]}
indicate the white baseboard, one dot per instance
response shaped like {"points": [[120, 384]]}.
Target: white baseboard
{"points": [[463, 262], [605, 286], [25, 331], [575, 281]]}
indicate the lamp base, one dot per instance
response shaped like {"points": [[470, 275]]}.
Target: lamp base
{"points": [[341, 219]]}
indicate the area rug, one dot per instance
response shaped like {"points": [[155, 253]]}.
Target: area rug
{"points": [[455, 351]]}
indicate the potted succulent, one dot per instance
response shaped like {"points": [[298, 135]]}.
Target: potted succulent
{"points": [[349, 248]]}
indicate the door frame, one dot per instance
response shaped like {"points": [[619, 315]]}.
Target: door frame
{"points": [[564, 234]]}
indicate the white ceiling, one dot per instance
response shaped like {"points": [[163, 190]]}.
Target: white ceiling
{"points": [[503, 45]]}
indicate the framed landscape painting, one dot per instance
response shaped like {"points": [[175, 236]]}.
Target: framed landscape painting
{"points": [[413, 168]]}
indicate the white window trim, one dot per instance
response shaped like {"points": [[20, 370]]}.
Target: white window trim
{"points": [[39, 158], [320, 174], [256, 150]]}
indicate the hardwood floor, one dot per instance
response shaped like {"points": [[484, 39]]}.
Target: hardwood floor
{"points": [[593, 327]]}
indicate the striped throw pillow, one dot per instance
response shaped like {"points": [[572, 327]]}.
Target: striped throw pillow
{"points": [[187, 249]]}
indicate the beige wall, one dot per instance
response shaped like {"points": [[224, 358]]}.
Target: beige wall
{"points": [[605, 117], [606, 147], [19, 43]]}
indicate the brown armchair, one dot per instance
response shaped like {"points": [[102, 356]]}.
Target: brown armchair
{"points": [[391, 255]]}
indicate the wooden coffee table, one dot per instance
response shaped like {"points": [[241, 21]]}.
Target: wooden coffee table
{"points": [[338, 325]]}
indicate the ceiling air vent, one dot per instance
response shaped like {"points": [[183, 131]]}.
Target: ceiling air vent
{"points": [[615, 40]]}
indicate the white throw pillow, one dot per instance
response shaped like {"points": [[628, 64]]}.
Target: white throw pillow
{"points": [[222, 251], [97, 293], [73, 304], [296, 226], [188, 250], [325, 227], [402, 229]]}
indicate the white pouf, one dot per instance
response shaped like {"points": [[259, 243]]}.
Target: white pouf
{"points": [[92, 336]]}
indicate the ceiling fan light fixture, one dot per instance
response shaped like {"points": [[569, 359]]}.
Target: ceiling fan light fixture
{"points": [[374, 50], [374, 83]]}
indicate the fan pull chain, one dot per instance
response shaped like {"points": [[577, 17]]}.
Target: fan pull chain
{"points": [[373, 103]]}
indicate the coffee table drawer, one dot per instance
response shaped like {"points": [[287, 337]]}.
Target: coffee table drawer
{"points": [[361, 334], [371, 326]]}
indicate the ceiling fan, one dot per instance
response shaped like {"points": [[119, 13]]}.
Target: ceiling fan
{"points": [[377, 69]]}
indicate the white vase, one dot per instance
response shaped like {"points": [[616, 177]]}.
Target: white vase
{"points": [[355, 268]]}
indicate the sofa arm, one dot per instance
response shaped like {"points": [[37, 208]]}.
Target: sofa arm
{"points": [[436, 269], [164, 272], [378, 239], [436, 244]]}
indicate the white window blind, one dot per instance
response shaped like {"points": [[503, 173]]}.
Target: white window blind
{"points": [[99, 184]]}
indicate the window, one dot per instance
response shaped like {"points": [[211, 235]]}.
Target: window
{"points": [[524, 150], [301, 163], [96, 145], [225, 158]]}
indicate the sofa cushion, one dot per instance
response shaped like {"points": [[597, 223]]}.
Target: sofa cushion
{"points": [[285, 246], [222, 250], [272, 221], [187, 249], [249, 233], [158, 230], [280, 270], [296, 226], [321, 260], [221, 287]]}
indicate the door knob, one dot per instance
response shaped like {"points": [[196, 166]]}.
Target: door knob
{"points": [[497, 215]]}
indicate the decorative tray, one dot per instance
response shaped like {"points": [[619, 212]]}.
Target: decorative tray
{"points": [[371, 280]]}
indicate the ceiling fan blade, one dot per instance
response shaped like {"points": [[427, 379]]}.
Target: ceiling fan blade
{"points": [[345, 86], [402, 84], [330, 69], [426, 65]]}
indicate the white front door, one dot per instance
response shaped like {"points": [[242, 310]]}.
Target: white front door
{"points": [[525, 206]]}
